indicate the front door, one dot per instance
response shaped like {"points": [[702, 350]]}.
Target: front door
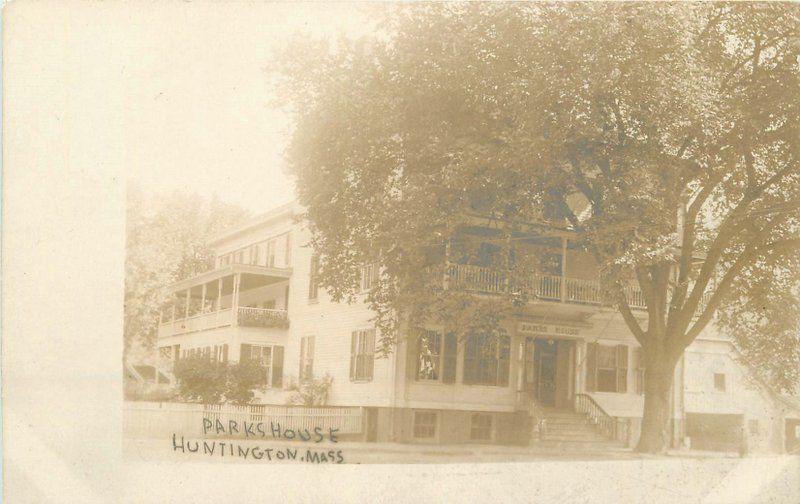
{"points": [[547, 370], [545, 357]]}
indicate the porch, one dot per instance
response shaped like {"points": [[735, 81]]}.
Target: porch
{"points": [[554, 288], [233, 295]]}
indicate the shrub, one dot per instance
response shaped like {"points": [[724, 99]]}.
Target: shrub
{"points": [[310, 392], [211, 382]]}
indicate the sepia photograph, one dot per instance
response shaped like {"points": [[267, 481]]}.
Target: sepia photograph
{"points": [[559, 240]]}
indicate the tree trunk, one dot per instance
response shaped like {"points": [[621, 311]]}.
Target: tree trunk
{"points": [[658, 377]]}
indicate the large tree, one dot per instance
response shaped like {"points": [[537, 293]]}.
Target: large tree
{"points": [[675, 124], [166, 241]]}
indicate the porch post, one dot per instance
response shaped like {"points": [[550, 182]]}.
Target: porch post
{"points": [[219, 293], [188, 296], [235, 298], [174, 307], [203, 300], [446, 274], [563, 268]]}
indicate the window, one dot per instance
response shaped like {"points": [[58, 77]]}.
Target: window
{"points": [[425, 424], [306, 358], [430, 353], [268, 356], [271, 253], [263, 355], [368, 276], [487, 360], [719, 382], [362, 358], [638, 355], [607, 368], [481, 427], [313, 286], [287, 258], [255, 253], [752, 426]]}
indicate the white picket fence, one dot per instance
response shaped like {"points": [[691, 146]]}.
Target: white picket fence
{"points": [[154, 419]]}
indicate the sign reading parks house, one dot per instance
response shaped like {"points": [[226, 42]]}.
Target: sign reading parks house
{"points": [[554, 330]]}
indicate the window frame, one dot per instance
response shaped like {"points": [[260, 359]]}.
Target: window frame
{"points": [[313, 282], [638, 377], [307, 349], [439, 361], [362, 358], [724, 383], [435, 425], [491, 427], [621, 367], [270, 255], [367, 277], [500, 346], [267, 367]]}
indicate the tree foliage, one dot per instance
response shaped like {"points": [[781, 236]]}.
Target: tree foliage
{"points": [[208, 381], [675, 124], [166, 241], [510, 110]]}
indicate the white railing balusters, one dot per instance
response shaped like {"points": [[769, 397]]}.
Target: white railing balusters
{"points": [[545, 287]]}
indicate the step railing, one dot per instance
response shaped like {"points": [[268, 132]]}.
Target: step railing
{"points": [[607, 424]]}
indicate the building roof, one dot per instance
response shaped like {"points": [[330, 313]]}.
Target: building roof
{"points": [[290, 209]]}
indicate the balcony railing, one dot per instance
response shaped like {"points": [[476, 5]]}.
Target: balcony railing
{"points": [[544, 287], [249, 317], [262, 317]]}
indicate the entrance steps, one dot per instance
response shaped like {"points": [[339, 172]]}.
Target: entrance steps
{"points": [[569, 431]]}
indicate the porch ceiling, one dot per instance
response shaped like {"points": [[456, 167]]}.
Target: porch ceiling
{"points": [[253, 276]]}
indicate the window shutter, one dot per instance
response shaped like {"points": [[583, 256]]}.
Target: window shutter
{"points": [[225, 352], [277, 367], [622, 369], [449, 358], [310, 356], [302, 357], [244, 354], [353, 341], [370, 353], [412, 354], [591, 367]]}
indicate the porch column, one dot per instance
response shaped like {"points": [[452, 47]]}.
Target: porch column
{"points": [[219, 294], [446, 273], [235, 298], [188, 296], [174, 308], [563, 269], [580, 357], [203, 300], [520, 372]]}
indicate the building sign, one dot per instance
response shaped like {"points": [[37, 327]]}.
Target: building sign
{"points": [[552, 330]]}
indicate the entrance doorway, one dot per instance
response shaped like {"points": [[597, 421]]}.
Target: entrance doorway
{"points": [[549, 371]]}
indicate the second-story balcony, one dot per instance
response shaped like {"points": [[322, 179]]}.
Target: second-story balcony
{"points": [[541, 287], [234, 295]]}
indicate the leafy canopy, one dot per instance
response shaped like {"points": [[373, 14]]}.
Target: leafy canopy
{"points": [[676, 124]]}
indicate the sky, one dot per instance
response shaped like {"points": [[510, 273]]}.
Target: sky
{"points": [[199, 115]]}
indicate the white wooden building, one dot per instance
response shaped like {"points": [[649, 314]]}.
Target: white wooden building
{"points": [[570, 371]]}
